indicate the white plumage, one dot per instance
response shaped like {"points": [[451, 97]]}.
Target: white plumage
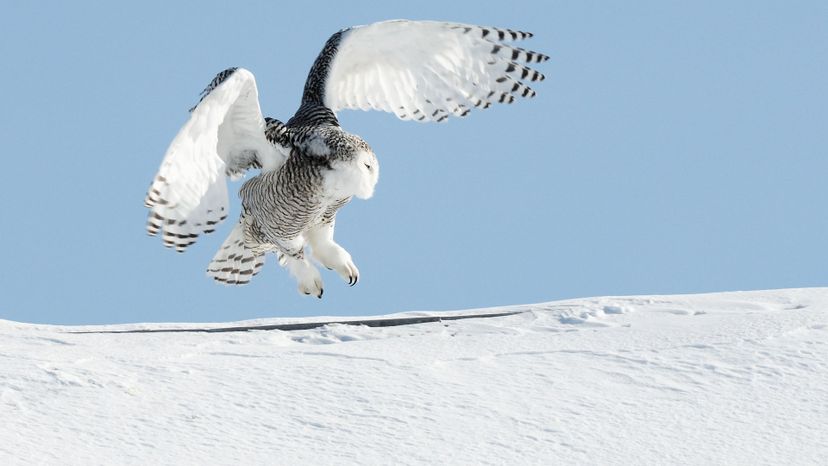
{"points": [[310, 167], [425, 70], [189, 194]]}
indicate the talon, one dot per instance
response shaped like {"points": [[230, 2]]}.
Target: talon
{"points": [[320, 293]]}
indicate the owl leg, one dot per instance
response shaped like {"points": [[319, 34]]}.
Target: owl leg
{"points": [[293, 259], [330, 254]]}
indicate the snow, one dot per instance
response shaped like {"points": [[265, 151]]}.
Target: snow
{"points": [[726, 378]]}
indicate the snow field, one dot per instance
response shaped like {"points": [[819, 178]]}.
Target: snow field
{"points": [[727, 378]]}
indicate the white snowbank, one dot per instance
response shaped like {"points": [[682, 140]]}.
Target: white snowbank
{"points": [[728, 378]]}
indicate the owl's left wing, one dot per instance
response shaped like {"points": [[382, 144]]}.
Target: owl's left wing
{"points": [[421, 70]]}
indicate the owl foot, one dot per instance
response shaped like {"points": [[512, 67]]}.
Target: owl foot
{"points": [[334, 257], [314, 288], [349, 272], [310, 282]]}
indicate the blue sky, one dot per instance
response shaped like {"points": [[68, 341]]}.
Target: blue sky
{"points": [[675, 147]]}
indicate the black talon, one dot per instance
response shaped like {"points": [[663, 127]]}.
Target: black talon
{"points": [[320, 293]]}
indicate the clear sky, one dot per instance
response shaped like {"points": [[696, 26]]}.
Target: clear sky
{"points": [[675, 147]]}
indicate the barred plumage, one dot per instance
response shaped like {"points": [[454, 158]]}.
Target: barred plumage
{"points": [[311, 167], [214, 84], [314, 92]]}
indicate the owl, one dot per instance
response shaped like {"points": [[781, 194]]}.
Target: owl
{"points": [[310, 167]]}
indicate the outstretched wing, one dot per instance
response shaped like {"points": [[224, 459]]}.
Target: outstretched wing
{"points": [[421, 70], [224, 136]]}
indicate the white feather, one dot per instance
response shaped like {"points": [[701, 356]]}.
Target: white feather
{"points": [[426, 70], [235, 264], [189, 194]]}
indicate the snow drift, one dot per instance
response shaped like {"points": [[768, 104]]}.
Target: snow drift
{"points": [[728, 378]]}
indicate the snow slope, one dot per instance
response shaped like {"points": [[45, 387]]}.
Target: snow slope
{"points": [[728, 378]]}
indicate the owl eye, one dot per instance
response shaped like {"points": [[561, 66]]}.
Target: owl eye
{"points": [[367, 166]]}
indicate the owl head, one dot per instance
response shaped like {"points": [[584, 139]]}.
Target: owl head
{"points": [[354, 168]]}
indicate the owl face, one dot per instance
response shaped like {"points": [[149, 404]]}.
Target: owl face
{"points": [[368, 166], [355, 176]]}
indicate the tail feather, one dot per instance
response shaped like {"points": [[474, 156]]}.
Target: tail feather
{"points": [[235, 264]]}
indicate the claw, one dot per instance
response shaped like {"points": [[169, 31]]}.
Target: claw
{"points": [[320, 293]]}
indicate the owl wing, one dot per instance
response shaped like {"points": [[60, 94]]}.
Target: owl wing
{"points": [[225, 136], [421, 70]]}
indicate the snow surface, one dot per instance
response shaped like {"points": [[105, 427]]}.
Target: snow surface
{"points": [[727, 378]]}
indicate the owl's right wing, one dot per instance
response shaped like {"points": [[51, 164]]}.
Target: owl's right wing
{"points": [[421, 70], [225, 136]]}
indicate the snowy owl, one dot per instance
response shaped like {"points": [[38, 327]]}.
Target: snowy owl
{"points": [[311, 167]]}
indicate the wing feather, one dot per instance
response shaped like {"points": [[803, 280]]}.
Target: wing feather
{"points": [[224, 136], [422, 70]]}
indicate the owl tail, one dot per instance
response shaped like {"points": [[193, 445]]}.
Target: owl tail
{"points": [[235, 264]]}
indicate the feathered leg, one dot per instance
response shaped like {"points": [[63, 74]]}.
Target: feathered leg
{"points": [[330, 254], [293, 258]]}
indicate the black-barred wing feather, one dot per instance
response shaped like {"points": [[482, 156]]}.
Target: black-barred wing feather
{"points": [[422, 70], [224, 136]]}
